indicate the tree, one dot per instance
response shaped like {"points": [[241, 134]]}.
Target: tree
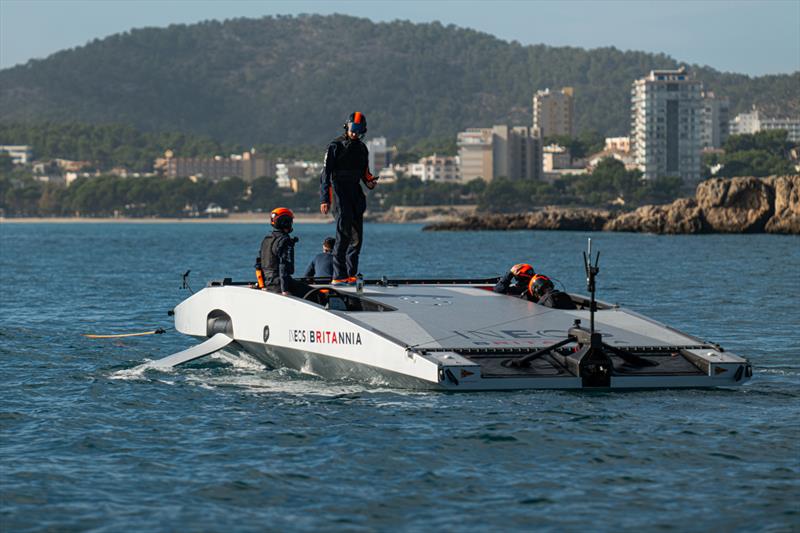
{"points": [[6, 162]]}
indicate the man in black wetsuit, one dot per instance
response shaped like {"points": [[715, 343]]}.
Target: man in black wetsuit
{"points": [[276, 256], [542, 291], [322, 264], [346, 166], [515, 282]]}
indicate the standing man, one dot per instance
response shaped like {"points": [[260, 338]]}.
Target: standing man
{"points": [[346, 166]]}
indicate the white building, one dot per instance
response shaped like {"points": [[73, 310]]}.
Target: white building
{"points": [[716, 121], [379, 155], [553, 112], [666, 128], [618, 144], [436, 168], [20, 154], [753, 122], [288, 175], [555, 157], [500, 151]]}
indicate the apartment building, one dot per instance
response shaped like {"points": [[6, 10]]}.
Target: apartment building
{"points": [[715, 121], [379, 154], [247, 166], [553, 112], [754, 121], [499, 151], [436, 168], [666, 125]]}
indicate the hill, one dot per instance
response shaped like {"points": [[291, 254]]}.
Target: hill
{"points": [[284, 80]]}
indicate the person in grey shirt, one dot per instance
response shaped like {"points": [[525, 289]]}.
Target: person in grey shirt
{"points": [[322, 264]]}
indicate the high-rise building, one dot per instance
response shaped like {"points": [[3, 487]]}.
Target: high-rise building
{"points": [[754, 122], [500, 151], [716, 121], [379, 154], [666, 128], [553, 112]]}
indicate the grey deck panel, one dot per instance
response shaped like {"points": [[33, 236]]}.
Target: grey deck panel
{"points": [[464, 317]]}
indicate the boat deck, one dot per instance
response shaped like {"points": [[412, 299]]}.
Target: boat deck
{"points": [[464, 318]]}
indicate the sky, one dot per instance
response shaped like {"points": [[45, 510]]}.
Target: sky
{"points": [[750, 37]]}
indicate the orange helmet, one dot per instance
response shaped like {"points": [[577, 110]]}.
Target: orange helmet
{"points": [[523, 272], [281, 218], [538, 285]]}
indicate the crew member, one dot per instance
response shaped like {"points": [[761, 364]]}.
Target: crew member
{"points": [[542, 291], [346, 166], [515, 282], [276, 256], [322, 264]]}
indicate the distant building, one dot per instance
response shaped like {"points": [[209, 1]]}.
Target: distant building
{"points": [[289, 175], [247, 166], [624, 157], [436, 168], [380, 156], [500, 151], [20, 154], [555, 157], [68, 165], [618, 144], [666, 127], [553, 112], [715, 121], [754, 122]]}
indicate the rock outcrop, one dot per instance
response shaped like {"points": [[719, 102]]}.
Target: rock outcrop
{"points": [[735, 205], [738, 205], [548, 218], [681, 216], [786, 215]]}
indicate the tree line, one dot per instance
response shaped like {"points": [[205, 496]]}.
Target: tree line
{"points": [[287, 81]]}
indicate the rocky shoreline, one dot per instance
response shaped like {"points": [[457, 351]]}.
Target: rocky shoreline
{"points": [[720, 205]]}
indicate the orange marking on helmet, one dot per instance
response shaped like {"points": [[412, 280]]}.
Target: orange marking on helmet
{"points": [[357, 117]]}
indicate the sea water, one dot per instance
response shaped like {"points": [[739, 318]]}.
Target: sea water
{"points": [[88, 443]]}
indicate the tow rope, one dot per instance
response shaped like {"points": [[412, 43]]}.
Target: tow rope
{"points": [[157, 331]]}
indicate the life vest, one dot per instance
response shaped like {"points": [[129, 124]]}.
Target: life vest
{"points": [[270, 264]]}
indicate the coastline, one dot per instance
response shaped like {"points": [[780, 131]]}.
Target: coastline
{"points": [[238, 218]]}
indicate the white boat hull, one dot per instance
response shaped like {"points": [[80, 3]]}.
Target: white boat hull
{"points": [[420, 340]]}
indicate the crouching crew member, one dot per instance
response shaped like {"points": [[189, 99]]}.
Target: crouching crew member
{"points": [[515, 282], [276, 257], [322, 264], [346, 166], [542, 291]]}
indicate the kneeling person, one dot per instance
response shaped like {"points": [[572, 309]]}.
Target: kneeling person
{"points": [[276, 256], [322, 264], [515, 282], [542, 291]]}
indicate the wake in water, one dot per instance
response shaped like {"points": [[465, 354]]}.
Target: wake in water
{"points": [[242, 371]]}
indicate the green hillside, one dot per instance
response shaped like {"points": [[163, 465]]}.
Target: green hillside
{"points": [[283, 80]]}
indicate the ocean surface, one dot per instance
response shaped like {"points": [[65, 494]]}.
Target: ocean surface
{"points": [[88, 444]]}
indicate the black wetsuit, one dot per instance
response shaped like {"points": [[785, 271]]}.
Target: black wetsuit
{"points": [[346, 165], [277, 263], [320, 267], [557, 300], [508, 285]]}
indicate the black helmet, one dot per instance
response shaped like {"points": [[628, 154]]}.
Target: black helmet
{"points": [[539, 285], [281, 218], [356, 123]]}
